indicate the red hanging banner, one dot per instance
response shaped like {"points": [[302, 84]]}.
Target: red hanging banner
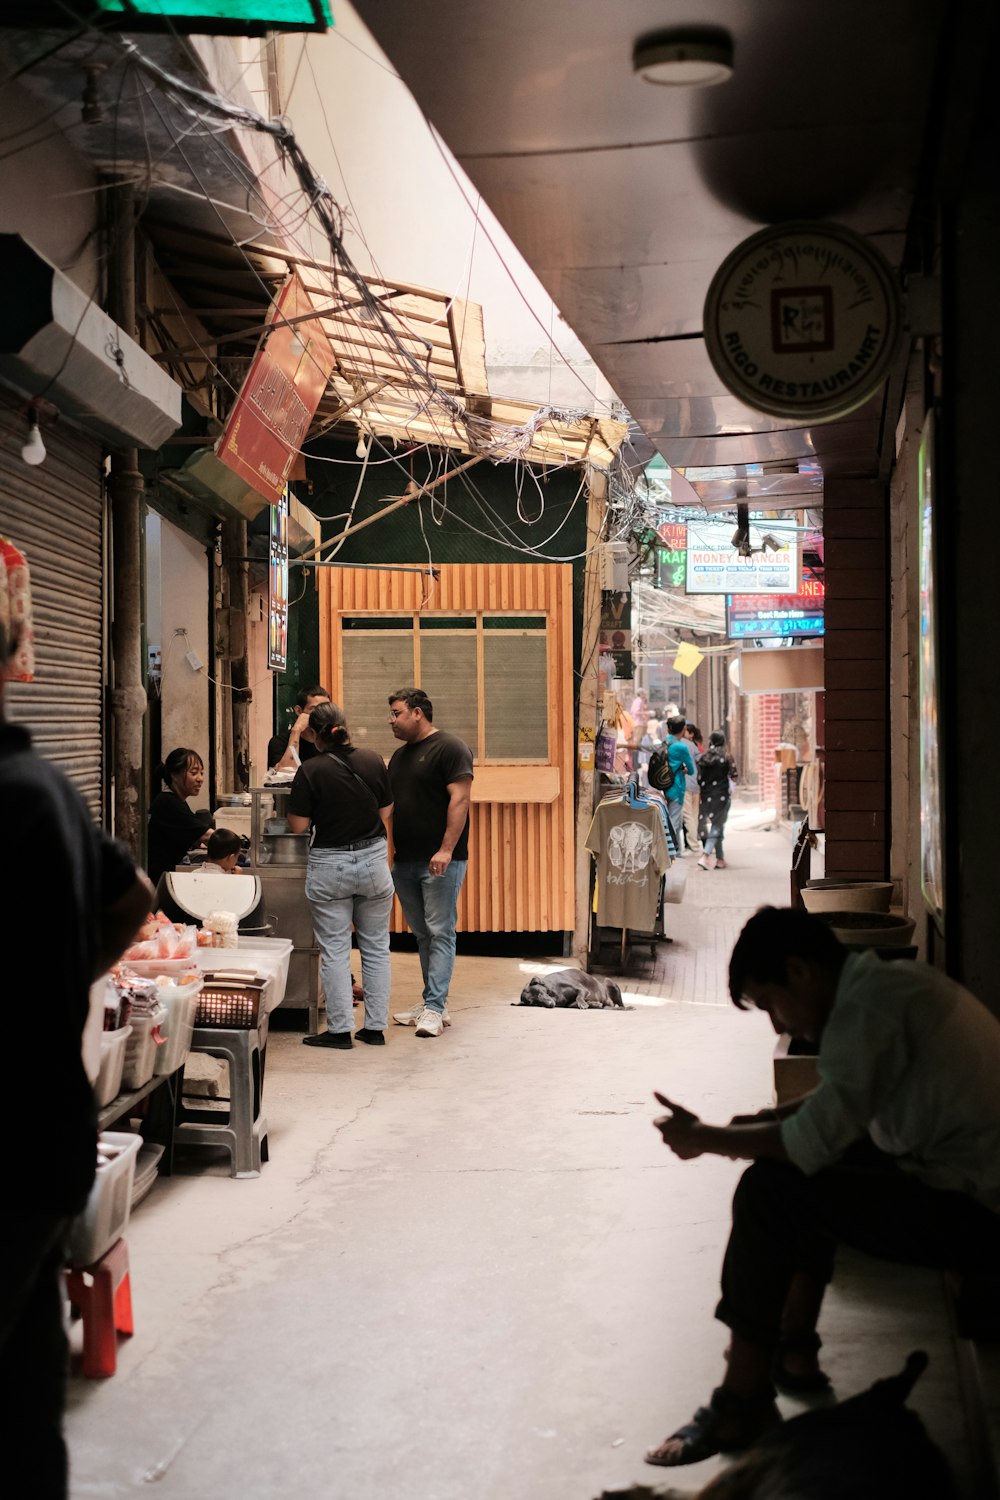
{"points": [[290, 371]]}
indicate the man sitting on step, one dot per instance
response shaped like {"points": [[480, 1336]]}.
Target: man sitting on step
{"points": [[896, 1152]]}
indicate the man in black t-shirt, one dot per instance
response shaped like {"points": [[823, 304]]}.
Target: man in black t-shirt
{"points": [[286, 752], [72, 900], [431, 780]]}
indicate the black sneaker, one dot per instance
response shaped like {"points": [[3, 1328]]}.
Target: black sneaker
{"points": [[372, 1038], [341, 1039]]}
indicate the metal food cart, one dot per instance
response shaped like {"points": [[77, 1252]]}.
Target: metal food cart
{"points": [[279, 859]]}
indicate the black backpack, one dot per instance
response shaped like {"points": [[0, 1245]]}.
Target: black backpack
{"points": [[662, 775]]}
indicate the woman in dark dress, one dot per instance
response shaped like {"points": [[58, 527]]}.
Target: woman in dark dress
{"points": [[173, 827], [716, 769]]}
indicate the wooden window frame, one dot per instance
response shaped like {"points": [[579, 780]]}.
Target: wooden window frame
{"points": [[415, 632]]}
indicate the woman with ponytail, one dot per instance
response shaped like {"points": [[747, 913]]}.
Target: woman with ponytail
{"points": [[343, 795]]}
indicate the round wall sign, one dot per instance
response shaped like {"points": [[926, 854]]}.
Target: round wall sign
{"points": [[802, 321]]}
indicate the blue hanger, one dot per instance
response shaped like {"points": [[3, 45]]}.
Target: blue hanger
{"points": [[632, 798]]}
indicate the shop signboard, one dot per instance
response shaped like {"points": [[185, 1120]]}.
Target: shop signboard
{"points": [[277, 587], [802, 321], [765, 616], [671, 554], [615, 636], [713, 565], [278, 399]]}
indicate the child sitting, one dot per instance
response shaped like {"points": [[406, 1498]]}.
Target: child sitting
{"points": [[222, 852]]}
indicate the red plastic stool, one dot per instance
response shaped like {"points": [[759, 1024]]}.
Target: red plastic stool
{"points": [[102, 1294]]}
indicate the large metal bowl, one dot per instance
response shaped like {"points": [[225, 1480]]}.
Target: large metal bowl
{"points": [[286, 848], [847, 895], [870, 929]]}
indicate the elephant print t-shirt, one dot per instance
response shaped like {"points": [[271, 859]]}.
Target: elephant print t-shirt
{"points": [[631, 851]]}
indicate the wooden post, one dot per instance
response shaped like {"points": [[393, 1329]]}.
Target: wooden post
{"points": [[586, 716]]}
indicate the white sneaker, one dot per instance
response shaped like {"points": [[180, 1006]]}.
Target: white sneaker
{"points": [[411, 1017], [431, 1023]]}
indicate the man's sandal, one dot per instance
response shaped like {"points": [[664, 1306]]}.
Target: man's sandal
{"points": [[728, 1423], [815, 1382]]}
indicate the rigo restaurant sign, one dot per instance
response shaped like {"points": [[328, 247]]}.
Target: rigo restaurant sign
{"points": [[802, 321]]}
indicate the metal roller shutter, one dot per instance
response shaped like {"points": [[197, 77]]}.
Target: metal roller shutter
{"points": [[55, 514]]}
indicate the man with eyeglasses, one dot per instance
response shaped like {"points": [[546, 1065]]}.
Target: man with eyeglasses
{"points": [[431, 780]]}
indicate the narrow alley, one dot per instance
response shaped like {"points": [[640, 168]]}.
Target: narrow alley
{"points": [[470, 1267]]}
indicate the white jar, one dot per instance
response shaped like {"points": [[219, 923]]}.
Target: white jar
{"points": [[223, 925]]}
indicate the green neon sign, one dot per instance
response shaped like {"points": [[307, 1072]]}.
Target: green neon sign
{"points": [[206, 17]]}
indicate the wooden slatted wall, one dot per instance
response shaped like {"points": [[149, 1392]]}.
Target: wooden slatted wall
{"points": [[521, 852]]}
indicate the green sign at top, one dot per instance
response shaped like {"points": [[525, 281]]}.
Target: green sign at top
{"points": [[205, 17]]}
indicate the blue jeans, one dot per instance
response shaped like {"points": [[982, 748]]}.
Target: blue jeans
{"points": [[675, 812], [713, 826], [430, 906], [345, 887]]}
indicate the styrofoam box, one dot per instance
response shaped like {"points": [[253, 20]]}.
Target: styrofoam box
{"points": [[109, 1075], [105, 1218], [181, 1002], [142, 1047]]}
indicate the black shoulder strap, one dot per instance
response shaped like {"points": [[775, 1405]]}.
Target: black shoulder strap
{"points": [[361, 781]]}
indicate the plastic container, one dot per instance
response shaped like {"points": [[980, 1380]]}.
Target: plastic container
{"points": [[142, 1047], [847, 895], [230, 1001], [105, 1218], [152, 968], [147, 1166], [181, 1003], [109, 1074]]}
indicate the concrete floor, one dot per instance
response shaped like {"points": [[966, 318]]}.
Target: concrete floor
{"points": [[470, 1267]]}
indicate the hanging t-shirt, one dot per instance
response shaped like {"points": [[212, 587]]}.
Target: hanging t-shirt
{"points": [[631, 852]]}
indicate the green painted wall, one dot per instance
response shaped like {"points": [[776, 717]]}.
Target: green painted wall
{"points": [[475, 521]]}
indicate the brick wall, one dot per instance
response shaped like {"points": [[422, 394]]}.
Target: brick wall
{"points": [[855, 649], [768, 735]]}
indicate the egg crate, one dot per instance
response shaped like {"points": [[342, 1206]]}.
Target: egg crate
{"points": [[231, 1000]]}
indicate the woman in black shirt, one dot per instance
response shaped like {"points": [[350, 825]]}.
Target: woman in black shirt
{"points": [[173, 827], [343, 794]]}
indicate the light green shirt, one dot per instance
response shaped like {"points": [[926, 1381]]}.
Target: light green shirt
{"points": [[910, 1058]]}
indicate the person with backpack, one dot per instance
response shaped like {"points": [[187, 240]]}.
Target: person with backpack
{"points": [[716, 770], [669, 769], [696, 744]]}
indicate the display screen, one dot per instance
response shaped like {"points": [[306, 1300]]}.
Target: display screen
{"points": [[277, 587], [763, 616]]}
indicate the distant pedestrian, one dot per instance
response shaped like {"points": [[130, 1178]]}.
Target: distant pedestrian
{"points": [[692, 795], [431, 780], [716, 772], [669, 769], [639, 714]]}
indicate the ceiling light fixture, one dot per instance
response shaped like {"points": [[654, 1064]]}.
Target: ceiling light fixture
{"points": [[33, 451], [684, 59]]}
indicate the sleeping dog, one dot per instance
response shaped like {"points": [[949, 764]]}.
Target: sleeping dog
{"points": [[571, 987]]}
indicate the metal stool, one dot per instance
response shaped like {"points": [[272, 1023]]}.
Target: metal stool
{"points": [[243, 1129], [102, 1294]]}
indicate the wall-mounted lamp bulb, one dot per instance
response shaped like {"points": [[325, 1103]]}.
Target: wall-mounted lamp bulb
{"points": [[33, 451]]}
